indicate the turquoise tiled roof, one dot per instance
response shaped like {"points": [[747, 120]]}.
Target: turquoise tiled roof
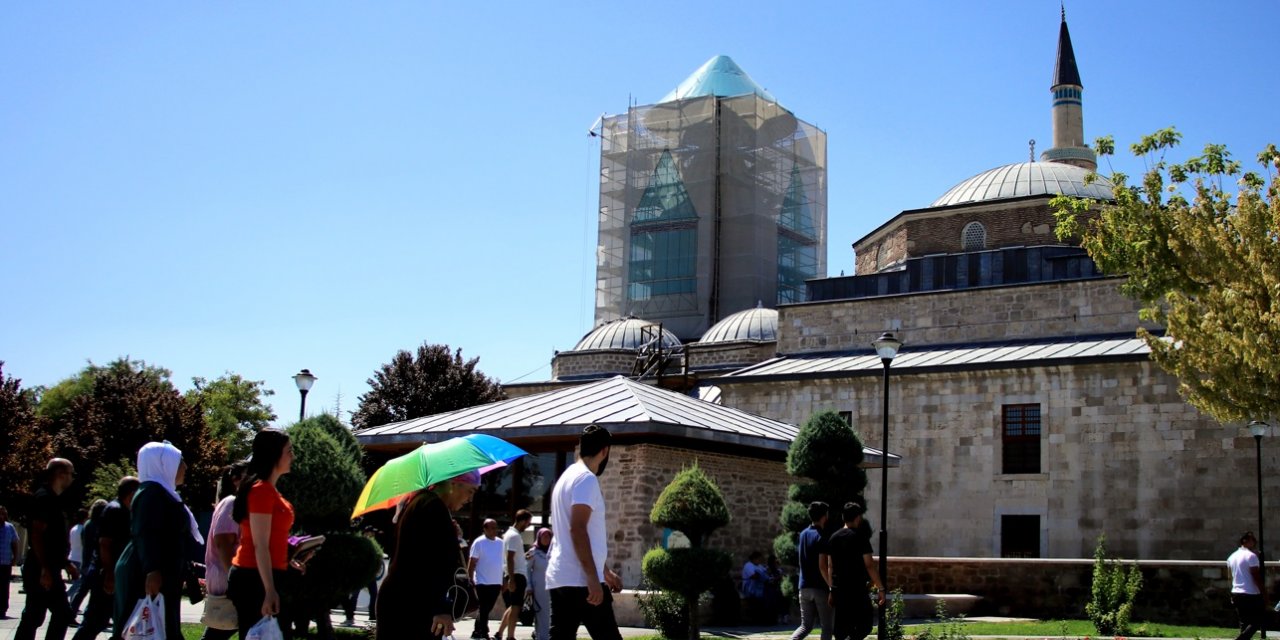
{"points": [[720, 76]]}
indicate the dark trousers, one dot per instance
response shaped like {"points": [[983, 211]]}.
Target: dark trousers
{"points": [[6, 574], [40, 600], [349, 607], [97, 616], [1250, 609], [569, 610], [244, 588], [488, 596], [853, 615], [79, 588]]}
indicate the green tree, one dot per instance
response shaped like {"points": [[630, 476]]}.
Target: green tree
{"points": [[434, 380], [1112, 593], [24, 444], [827, 452], [127, 404], [325, 480], [102, 484], [341, 433], [693, 505], [234, 410], [1204, 263]]}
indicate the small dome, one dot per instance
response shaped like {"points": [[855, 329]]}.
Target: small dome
{"points": [[759, 324], [1025, 179], [624, 333]]}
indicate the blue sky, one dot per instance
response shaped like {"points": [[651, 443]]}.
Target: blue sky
{"points": [[261, 187]]}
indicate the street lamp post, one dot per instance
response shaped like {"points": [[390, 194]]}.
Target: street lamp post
{"points": [[1259, 429], [886, 347], [304, 380]]}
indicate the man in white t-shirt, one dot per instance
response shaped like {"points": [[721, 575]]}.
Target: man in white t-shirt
{"points": [[485, 571], [1246, 577], [517, 570], [580, 584]]}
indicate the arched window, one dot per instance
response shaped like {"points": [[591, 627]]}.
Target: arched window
{"points": [[974, 237]]}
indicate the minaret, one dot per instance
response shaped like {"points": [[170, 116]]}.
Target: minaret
{"points": [[1068, 115]]}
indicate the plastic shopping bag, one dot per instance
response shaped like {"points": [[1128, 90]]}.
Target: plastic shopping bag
{"points": [[265, 629], [147, 621]]}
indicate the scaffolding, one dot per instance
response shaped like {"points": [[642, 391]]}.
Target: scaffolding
{"points": [[707, 206]]}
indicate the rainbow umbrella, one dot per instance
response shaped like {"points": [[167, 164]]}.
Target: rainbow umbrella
{"points": [[433, 463]]}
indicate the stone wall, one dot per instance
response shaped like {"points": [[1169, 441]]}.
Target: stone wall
{"points": [[1120, 452], [754, 490], [726, 354], [577, 363], [1173, 592], [921, 233], [1042, 310]]}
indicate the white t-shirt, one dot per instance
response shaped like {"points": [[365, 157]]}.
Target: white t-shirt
{"points": [[513, 543], [1241, 578], [489, 559], [577, 485], [77, 544]]}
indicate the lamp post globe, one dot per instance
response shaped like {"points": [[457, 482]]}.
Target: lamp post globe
{"points": [[304, 379], [1258, 429], [886, 347]]}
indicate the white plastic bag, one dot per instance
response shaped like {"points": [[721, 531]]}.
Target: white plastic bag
{"points": [[147, 621], [265, 629]]}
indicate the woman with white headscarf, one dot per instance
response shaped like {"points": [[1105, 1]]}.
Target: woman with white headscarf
{"points": [[162, 527]]}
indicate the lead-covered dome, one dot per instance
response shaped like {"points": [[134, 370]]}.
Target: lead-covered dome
{"points": [[1025, 179], [625, 333], [759, 325]]}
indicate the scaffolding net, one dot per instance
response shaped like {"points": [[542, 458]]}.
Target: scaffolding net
{"points": [[708, 206]]}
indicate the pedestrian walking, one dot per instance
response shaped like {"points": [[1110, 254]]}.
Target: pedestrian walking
{"points": [[48, 547], [160, 527], [1246, 580], [852, 567], [581, 586], [538, 557], [420, 583], [258, 569], [220, 618], [484, 568], [90, 569], [814, 568], [77, 560], [8, 555], [113, 536], [516, 569]]}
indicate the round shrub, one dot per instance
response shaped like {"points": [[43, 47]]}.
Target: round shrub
{"points": [[688, 571], [325, 481], [692, 504]]}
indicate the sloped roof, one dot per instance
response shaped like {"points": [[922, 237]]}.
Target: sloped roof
{"points": [[619, 404], [999, 355], [720, 76]]}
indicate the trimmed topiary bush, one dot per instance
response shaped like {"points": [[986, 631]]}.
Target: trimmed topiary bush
{"points": [[693, 505], [828, 452], [325, 481]]}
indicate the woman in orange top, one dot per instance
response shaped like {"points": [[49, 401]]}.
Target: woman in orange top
{"points": [[265, 518]]}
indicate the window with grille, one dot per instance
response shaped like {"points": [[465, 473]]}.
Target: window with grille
{"points": [[974, 237], [1019, 536], [1020, 440]]}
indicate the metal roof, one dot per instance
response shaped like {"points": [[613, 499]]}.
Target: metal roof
{"points": [[719, 76], [1026, 179], [999, 355], [624, 333], [622, 405], [758, 324]]}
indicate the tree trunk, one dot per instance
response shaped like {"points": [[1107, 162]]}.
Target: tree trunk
{"points": [[691, 606]]}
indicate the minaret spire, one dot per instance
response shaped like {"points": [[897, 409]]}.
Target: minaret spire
{"points": [[1068, 113]]}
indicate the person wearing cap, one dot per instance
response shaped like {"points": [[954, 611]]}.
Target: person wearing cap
{"points": [[1246, 578], [420, 579], [580, 584], [852, 567]]}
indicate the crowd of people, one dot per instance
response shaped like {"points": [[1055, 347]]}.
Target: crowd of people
{"points": [[137, 546]]}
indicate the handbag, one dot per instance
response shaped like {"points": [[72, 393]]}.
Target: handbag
{"points": [[147, 621], [219, 613], [529, 611]]}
